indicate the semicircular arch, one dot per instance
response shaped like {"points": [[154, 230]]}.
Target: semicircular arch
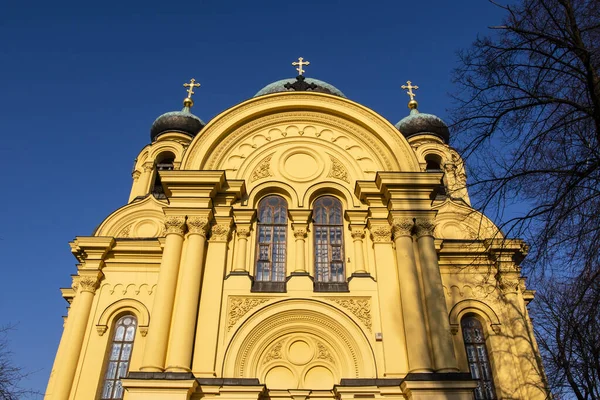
{"points": [[472, 306], [140, 219], [121, 307]]}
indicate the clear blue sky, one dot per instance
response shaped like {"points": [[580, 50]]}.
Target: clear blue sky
{"points": [[81, 83]]}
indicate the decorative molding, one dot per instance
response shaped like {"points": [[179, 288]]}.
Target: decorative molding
{"points": [[148, 166], [359, 306], [262, 170], [220, 232], [338, 171], [402, 227], [357, 232], [275, 353], [125, 232], [197, 225], [323, 353], [424, 227], [239, 306], [509, 283], [136, 175], [381, 233], [143, 330], [175, 225], [300, 232], [242, 231]]}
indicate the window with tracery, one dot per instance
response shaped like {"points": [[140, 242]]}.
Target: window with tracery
{"points": [[271, 239], [119, 356], [477, 357], [329, 240]]}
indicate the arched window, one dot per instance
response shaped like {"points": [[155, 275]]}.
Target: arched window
{"points": [[119, 355], [434, 162], [477, 358], [163, 163], [271, 239], [329, 240]]}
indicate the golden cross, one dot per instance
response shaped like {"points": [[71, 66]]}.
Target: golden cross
{"points": [[191, 87], [410, 87], [300, 63]]}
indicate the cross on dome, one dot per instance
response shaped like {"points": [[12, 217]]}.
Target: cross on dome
{"points": [[412, 104], [300, 63], [188, 102]]}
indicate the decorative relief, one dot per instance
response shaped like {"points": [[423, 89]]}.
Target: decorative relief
{"points": [[300, 232], [509, 283], [381, 233], [220, 232], [197, 225], [239, 306], [130, 289], [175, 225], [402, 227], [242, 231], [275, 353], [338, 171], [360, 307], [262, 170], [323, 353], [357, 232], [136, 175], [424, 227], [148, 166]]}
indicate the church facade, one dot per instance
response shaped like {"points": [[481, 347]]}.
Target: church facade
{"points": [[297, 246]]}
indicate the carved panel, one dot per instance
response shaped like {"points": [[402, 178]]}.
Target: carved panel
{"points": [[262, 170], [239, 306], [337, 170], [359, 306]]}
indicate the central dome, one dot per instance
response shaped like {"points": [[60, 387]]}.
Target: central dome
{"points": [[278, 87]]}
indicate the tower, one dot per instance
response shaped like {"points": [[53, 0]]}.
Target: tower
{"points": [[297, 246]]}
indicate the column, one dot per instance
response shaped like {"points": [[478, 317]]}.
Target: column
{"points": [[300, 232], [207, 324], [419, 359], [186, 306], [78, 319], [437, 312], [358, 233], [392, 325], [162, 309], [242, 233]]}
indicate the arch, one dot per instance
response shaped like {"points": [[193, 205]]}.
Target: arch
{"points": [[142, 219], [366, 126], [347, 198], [118, 309], [247, 354], [477, 307], [459, 221], [264, 189]]}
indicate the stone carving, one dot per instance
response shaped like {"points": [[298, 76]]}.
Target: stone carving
{"points": [[239, 306], [323, 353], [148, 166], [262, 170], [402, 227], [136, 175], [509, 283], [175, 225], [220, 232], [381, 233], [242, 231], [125, 232], [88, 283], [274, 353], [424, 227], [143, 330], [198, 225], [360, 307], [338, 170], [300, 232], [357, 233]]}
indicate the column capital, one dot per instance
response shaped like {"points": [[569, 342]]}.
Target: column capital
{"points": [[219, 232], [198, 225], [89, 282], [381, 232], [300, 230], [509, 283], [402, 227], [242, 230], [424, 227], [148, 166], [175, 224], [357, 231]]}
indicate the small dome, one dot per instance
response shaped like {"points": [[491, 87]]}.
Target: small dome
{"points": [[420, 123], [176, 121], [322, 87]]}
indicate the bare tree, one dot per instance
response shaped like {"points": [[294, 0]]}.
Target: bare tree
{"points": [[11, 374], [569, 335], [527, 118]]}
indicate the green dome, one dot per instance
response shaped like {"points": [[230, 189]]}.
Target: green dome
{"points": [[176, 121], [278, 87]]}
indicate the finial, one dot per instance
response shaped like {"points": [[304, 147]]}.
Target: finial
{"points": [[412, 104], [188, 102], [300, 63]]}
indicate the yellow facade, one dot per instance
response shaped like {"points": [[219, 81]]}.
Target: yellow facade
{"points": [[416, 262]]}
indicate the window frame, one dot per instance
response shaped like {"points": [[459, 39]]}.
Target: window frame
{"points": [[482, 361]]}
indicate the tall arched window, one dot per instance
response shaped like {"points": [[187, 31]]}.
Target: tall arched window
{"points": [[163, 163], [119, 355], [477, 358], [329, 240], [271, 239]]}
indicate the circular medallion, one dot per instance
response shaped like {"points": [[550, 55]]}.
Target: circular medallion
{"points": [[300, 352], [301, 165]]}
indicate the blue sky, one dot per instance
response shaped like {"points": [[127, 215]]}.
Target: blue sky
{"points": [[82, 82]]}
